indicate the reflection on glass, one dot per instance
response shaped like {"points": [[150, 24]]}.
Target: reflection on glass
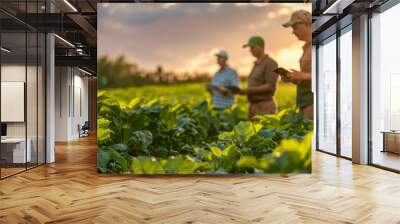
{"points": [[327, 96], [346, 94], [31, 99], [385, 86], [14, 151], [22, 90]]}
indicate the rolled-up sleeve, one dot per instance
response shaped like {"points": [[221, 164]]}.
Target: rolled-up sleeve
{"points": [[271, 77], [234, 80]]}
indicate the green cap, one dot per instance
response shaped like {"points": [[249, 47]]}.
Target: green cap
{"points": [[254, 41]]}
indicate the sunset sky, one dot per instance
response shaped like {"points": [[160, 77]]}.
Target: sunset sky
{"points": [[184, 36]]}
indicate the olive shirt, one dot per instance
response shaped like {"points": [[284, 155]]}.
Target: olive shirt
{"points": [[261, 74], [305, 96]]}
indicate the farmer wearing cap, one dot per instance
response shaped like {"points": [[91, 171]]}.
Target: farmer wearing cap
{"points": [[261, 81], [222, 97], [300, 22]]}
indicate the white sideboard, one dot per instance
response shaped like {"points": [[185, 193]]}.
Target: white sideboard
{"points": [[18, 144]]}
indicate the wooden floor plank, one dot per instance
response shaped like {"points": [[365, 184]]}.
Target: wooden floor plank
{"points": [[71, 191]]}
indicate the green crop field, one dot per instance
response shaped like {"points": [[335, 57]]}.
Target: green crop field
{"points": [[171, 129], [194, 92]]}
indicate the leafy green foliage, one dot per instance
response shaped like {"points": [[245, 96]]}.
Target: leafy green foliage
{"points": [[192, 93], [290, 156], [160, 137]]}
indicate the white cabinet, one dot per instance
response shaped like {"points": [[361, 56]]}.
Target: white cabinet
{"points": [[18, 149]]}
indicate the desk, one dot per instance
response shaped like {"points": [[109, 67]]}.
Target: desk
{"points": [[15, 148], [391, 141]]}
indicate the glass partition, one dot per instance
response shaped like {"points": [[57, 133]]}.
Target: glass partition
{"points": [[31, 97], [346, 93], [14, 153], [327, 95], [22, 91], [385, 89]]}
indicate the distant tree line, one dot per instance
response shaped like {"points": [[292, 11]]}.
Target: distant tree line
{"points": [[119, 72]]}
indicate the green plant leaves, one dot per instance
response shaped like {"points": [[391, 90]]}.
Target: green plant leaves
{"points": [[111, 161], [245, 130], [140, 141], [155, 137], [180, 165], [146, 165]]}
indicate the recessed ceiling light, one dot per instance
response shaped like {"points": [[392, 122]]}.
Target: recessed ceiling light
{"points": [[64, 40], [337, 7], [5, 49], [70, 5], [86, 72]]}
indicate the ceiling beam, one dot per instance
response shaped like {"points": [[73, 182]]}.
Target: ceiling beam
{"points": [[77, 61], [86, 27]]}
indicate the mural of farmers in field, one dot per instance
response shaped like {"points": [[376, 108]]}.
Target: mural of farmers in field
{"points": [[197, 89], [223, 84], [262, 80], [300, 22]]}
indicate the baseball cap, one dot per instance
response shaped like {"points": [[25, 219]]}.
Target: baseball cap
{"points": [[254, 41], [299, 16], [222, 54]]}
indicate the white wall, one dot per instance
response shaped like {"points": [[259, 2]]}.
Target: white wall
{"points": [[62, 81], [70, 84], [33, 126], [13, 73]]}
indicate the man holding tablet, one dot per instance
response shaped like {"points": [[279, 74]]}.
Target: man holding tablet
{"points": [[261, 81], [300, 22]]}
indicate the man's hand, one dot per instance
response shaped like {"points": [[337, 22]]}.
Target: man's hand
{"points": [[209, 88], [223, 91], [286, 79], [242, 91], [295, 76]]}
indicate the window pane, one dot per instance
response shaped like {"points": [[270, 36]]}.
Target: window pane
{"points": [[14, 150], [31, 97], [346, 94], [327, 96], [385, 88]]}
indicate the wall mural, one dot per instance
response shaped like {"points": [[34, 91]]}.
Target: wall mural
{"points": [[196, 89]]}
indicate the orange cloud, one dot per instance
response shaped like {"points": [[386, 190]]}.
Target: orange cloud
{"points": [[184, 37]]}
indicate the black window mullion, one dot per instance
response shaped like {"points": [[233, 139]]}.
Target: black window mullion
{"points": [[316, 97], [338, 76], [46, 3], [26, 86], [369, 96], [37, 90]]}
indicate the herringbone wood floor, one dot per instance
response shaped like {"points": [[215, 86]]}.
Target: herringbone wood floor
{"points": [[71, 191]]}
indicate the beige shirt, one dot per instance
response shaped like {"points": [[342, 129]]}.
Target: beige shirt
{"points": [[304, 94], [261, 74], [305, 60]]}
